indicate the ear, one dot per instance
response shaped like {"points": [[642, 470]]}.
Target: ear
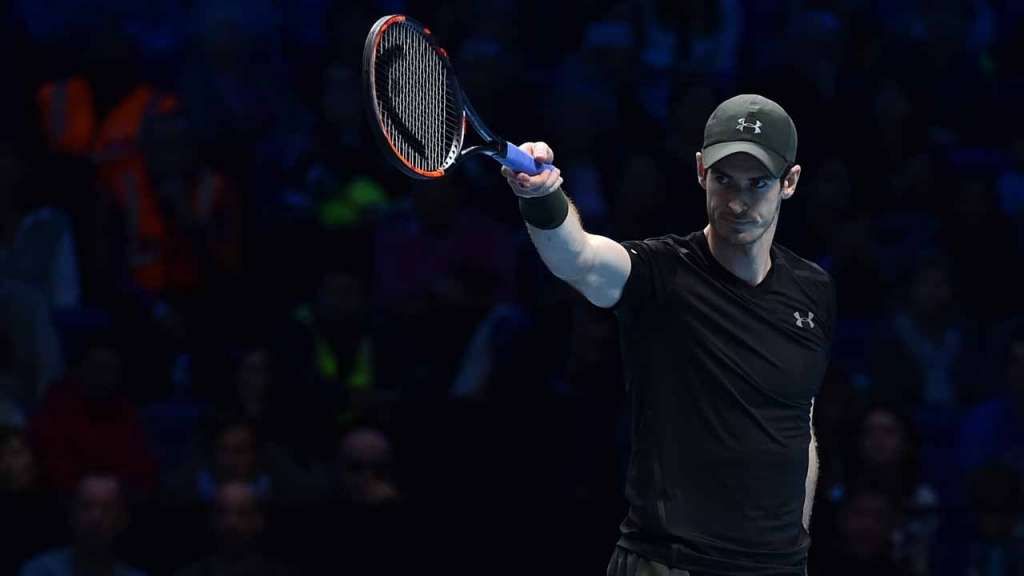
{"points": [[702, 172], [789, 184]]}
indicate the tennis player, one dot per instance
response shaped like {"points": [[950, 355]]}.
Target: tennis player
{"points": [[725, 339]]}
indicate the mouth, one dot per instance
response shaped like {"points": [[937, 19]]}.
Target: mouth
{"points": [[735, 222]]}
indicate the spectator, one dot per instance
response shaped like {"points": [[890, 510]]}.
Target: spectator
{"points": [[993, 431], [38, 244], [329, 343], [443, 263], [294, 424], [35, 353], [855, 263], [94, 107], [98, 518], [863, 541], [927, 353], [887, 456], [973, 224], [509, 353], [643, 206], [31, 519], [231, 452], [369, 512], [173, 225], [365, 467], [87, 421], [338, 189], [835, 425], [239, 523]]}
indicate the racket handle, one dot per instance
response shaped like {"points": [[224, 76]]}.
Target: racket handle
{"points": [[519, 161]]}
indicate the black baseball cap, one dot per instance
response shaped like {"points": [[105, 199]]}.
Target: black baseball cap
{"points": [[753, 124]]}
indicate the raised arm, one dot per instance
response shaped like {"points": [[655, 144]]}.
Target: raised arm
{"points": [[595, 265]]}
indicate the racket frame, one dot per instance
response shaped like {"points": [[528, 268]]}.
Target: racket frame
{"points": [[492, 146]]}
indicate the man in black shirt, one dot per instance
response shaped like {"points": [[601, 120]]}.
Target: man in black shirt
{"points": [[725, 338]]}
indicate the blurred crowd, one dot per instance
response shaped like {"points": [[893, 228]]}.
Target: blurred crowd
{"points": [[235, 340]]}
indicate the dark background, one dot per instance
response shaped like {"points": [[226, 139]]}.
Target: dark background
{"points": [[210, 273]]}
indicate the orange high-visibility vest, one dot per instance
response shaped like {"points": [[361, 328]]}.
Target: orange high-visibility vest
{"points": [[159, 260], [71, 125]]}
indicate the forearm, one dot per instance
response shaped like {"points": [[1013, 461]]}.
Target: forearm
{"points": [[596, 266], [812, 479], [565, 249]]}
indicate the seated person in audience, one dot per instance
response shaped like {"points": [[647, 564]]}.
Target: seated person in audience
{"points": [[926, 355], [294, 427], [238, 522], [35, 347], [442, 263], [993, 431], [87, 421], [368, 512], [37, 236], [887, 456], [364, 468], [231, 452], [98, 518], [863, 537], [31, 518], [328, 346]]}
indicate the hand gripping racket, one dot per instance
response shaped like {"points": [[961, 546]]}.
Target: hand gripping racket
{"points": [[417, 111]]}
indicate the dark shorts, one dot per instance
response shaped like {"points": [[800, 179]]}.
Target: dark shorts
{"points": [[626, 563]]}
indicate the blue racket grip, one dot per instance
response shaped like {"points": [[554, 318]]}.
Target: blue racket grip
{"points": [[519, 161]]}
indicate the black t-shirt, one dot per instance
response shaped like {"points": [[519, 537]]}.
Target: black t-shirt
{"points": [[720, 377]]}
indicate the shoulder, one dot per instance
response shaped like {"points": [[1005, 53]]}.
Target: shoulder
{"points": [[803, 269], [55, 562], [669, 245], [986, 414], [809, 276]]}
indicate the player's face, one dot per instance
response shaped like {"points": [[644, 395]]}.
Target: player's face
{"points": [[743, 198]]}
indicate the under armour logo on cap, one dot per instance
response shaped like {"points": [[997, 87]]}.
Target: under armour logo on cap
{"points": [[804, 322], [742, 123]]}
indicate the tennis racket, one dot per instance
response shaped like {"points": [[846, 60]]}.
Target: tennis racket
{"points": [[417, 111]]}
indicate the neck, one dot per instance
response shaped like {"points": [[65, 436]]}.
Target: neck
{"points": [[748, 262]]}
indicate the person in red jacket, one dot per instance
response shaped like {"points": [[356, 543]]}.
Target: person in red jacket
{"points": [[86, 422]]}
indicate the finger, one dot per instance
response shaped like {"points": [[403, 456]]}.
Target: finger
{"points": [[540, 184], [528, 147], [507, 172], [550, 177], [531, 182], [543, 153]]}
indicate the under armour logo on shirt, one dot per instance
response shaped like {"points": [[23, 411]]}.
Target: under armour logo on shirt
{"points": [[742, 123], [804, 322]]}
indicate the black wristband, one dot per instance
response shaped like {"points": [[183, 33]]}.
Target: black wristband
{"points": [[546, 212]]}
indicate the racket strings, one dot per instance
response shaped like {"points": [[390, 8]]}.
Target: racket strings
{"points": [[416, 100]]}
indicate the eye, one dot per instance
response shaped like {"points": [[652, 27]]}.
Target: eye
{"points": [[721, 180], [761, 184]]}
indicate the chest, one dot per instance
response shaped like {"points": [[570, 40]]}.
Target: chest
{"points": [[764, 345]]}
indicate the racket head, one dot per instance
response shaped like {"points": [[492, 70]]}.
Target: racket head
{"points": [[413, 99]]}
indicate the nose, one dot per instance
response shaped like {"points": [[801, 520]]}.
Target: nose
{"points": [[736, 207]]}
